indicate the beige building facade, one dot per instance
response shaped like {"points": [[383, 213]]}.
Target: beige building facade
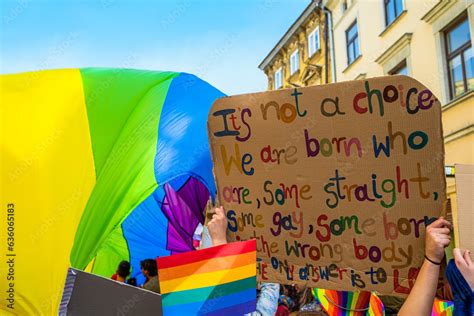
{"points": [[302, 56], [429, 40]]}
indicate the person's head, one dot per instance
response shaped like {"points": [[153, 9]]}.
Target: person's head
{"points": [[132, 281], [149, 268], [295, 297], [284, 290], [285, 300], [123, 269]]}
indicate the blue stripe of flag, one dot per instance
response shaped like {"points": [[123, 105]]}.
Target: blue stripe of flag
{"points": [[213, 305]]}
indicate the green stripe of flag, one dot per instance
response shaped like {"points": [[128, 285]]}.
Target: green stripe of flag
{"points": [[206, 293], [123, 108]]}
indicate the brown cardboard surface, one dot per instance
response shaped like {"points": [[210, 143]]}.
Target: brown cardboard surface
{"points": [[297, 170], [464, 176]]}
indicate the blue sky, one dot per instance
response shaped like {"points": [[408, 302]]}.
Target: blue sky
{"points": [[220, 41]]}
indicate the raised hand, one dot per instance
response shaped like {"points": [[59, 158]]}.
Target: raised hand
{"points": [[437, 238], [217, 227], [463, 261]]}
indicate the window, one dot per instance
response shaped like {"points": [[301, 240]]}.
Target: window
{"points": [[400, 69], [393, 8], [352, 40], [294, 62], [313, 42], [278, 81], [344, 6], [459, 57]]}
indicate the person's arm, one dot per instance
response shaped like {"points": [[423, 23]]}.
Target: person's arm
{"points": [[267, 302], [460, 275], [421, 298]]}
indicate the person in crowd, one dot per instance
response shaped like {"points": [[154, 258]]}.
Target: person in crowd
{"points": [[460, 274], [420, 301], [295, 293], [150, 271], [123, 271], [132, 282], [267, 297], [284, 303]]}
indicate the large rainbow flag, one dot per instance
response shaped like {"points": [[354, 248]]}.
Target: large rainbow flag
{"points": [[97, 166], [214, 281]]}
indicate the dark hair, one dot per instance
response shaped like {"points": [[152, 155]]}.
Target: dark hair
{"points": [[307, 296], [124, 269], [150, 266], [132, 281], [295, 298]]}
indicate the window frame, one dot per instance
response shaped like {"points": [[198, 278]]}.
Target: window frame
{"points": [[395, 70], [293, 71], [397, 14], [314, 34], [449, 56], [354, 40], [280, 72]]}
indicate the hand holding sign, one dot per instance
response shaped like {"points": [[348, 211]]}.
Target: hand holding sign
{"points": [[437, 238]]}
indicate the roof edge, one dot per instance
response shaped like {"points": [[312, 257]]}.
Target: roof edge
{"points": [[314, 4]]}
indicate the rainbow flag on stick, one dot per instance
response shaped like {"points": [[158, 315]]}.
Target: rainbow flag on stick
{"points": [[344, 303], [214, 281], [442, 308]]}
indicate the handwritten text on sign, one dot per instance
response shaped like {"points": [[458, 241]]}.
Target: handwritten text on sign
{"points": [[336, 183]]}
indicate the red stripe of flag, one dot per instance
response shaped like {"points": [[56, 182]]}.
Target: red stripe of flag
{"points": [[230, 249]]}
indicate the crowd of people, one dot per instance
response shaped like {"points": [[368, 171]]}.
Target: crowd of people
{"points": [[149, 271], [282, 300]]}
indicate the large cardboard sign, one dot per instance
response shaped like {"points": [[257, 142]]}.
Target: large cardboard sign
{"points": [[336, 182], [464, 217], [90, 294]]}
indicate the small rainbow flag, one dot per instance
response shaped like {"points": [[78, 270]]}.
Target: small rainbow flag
{"points": [[442, 308], [219, 280], [343, 303]]}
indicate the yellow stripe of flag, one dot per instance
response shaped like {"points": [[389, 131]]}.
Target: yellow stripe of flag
{"points": [[47, 173], [208, 279]]}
